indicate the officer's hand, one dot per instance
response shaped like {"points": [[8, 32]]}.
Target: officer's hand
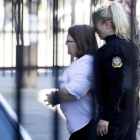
{"points": [[102, 127]]}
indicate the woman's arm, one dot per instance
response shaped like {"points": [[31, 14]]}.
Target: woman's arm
{"points": [[65, 96], [57, 97]]}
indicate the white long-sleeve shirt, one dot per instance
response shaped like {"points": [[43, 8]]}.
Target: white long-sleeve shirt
{"points": [[77, 79]]}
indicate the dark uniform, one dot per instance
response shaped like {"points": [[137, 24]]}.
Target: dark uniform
{"points": [[116, 86]]}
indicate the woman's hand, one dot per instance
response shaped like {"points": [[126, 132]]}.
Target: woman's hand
{"points": [[102, 127], [52, 98], [49, 99]]}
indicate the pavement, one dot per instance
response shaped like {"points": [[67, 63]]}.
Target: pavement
{"points": [[36, 117]]}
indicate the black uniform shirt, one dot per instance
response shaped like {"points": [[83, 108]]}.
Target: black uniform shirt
{"points": [[115, 85]]}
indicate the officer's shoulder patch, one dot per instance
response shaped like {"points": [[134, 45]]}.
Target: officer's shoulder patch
{"points": [[116, 62]]}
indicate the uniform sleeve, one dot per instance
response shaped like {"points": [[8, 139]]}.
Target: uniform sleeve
{"points": [[80, 80], [115, 67]]}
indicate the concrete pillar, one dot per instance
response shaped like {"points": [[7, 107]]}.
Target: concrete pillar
{"points": [[29, 78]]}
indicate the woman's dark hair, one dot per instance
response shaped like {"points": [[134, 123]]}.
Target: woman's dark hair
{"points": [[85, 39]]}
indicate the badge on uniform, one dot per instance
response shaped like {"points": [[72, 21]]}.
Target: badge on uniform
{"points": [[117, 62]]}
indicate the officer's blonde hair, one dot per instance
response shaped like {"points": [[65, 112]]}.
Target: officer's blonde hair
{"points": [[116, 15]]}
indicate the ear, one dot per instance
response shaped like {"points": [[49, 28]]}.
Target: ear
{"points": [[107, 24]]}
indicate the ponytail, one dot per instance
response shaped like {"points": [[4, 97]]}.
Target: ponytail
{"points": [[120, 21]]}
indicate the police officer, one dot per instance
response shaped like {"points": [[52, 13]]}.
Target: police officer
{"points": [[116, 75]]}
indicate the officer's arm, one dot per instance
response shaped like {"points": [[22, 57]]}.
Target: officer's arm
{"points": [[115, 67]]}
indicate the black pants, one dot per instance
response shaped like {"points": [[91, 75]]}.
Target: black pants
{"points": [[83, 133], [121, 126]]}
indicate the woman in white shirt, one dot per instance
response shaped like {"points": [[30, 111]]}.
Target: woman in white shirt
{"points": [[76, 81]]}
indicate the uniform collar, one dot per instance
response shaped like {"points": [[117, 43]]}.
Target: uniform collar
{"points": [[110, 38]]}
